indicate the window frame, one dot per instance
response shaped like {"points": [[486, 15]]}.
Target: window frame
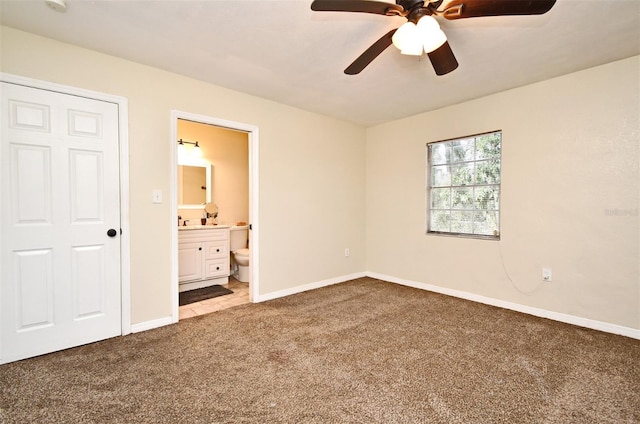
{"points": [[429, 187]]}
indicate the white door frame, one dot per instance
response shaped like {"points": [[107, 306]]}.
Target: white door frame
{"points": [[252, 132], [123, 136]]}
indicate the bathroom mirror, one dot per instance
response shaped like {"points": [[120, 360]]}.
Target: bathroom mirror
{"points": [[194, 186]]}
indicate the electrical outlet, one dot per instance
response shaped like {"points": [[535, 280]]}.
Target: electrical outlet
{"points": [[346, 252], [546, 274]]}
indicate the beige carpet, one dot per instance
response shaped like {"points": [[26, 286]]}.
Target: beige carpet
{"points": [[364, 351]]}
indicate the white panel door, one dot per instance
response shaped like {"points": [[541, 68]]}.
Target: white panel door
{"points": [[60, 264]]}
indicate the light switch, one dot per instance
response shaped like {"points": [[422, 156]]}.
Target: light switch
{"points": [[156, 196]]}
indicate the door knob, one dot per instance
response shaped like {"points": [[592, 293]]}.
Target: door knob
{"points": [[112, 232]]}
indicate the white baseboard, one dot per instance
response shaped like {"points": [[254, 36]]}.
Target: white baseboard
{"points": [[542, 313], [309, 286], [150, 325]]}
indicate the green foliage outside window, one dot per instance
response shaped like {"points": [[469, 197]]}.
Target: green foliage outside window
{"points": [[464, 185]]}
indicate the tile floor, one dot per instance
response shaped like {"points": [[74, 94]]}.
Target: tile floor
{"points": [[240, 296]]}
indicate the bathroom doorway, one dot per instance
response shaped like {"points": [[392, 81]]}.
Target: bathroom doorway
{"points": [[229, 152]]}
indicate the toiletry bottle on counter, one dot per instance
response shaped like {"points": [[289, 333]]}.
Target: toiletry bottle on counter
{"points": [[203, 220]]}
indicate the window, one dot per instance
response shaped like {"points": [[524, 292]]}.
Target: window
{"points": [[463, 186]]}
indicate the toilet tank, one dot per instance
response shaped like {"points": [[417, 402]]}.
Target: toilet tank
{"points": [[239, 236]]}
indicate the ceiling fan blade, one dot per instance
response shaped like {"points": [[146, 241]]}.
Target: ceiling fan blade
{"points": [[458, 9], [371, 53], [365, 6], [443, 60]]}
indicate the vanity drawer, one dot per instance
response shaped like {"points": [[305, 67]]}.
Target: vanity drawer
{"points": [[216, 249], [216, 268]]}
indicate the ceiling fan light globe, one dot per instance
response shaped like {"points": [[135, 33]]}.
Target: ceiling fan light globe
{"points": [[428, 23], [404, 35], [434, 41], [414, 48], [412, 52]]}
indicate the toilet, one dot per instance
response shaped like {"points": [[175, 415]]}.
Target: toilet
{"points": [[239, 237]]}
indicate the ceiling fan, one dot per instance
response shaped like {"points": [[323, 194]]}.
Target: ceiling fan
{"points": [[422, 32]]}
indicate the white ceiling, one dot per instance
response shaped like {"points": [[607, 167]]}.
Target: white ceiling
{"points": [[281, 50]]}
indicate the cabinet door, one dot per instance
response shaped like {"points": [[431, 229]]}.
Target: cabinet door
{"points": [[189, 261]]}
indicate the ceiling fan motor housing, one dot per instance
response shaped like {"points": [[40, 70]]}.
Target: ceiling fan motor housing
{"points": [[410, 4]]}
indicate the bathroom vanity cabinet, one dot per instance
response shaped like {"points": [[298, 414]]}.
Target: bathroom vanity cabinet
{"points": [[203, 257]]}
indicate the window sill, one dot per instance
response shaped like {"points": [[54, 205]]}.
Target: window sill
{"points": [[463, 235]]}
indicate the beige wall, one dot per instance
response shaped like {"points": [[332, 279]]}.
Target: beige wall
{"points": [[569, 202], [228, 153], [311, 168], [570, 185]]}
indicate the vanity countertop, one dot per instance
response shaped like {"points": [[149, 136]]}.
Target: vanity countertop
{"points": [[202, 227]]}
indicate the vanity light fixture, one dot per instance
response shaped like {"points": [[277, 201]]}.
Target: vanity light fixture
{"points": [[196, 151]]}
